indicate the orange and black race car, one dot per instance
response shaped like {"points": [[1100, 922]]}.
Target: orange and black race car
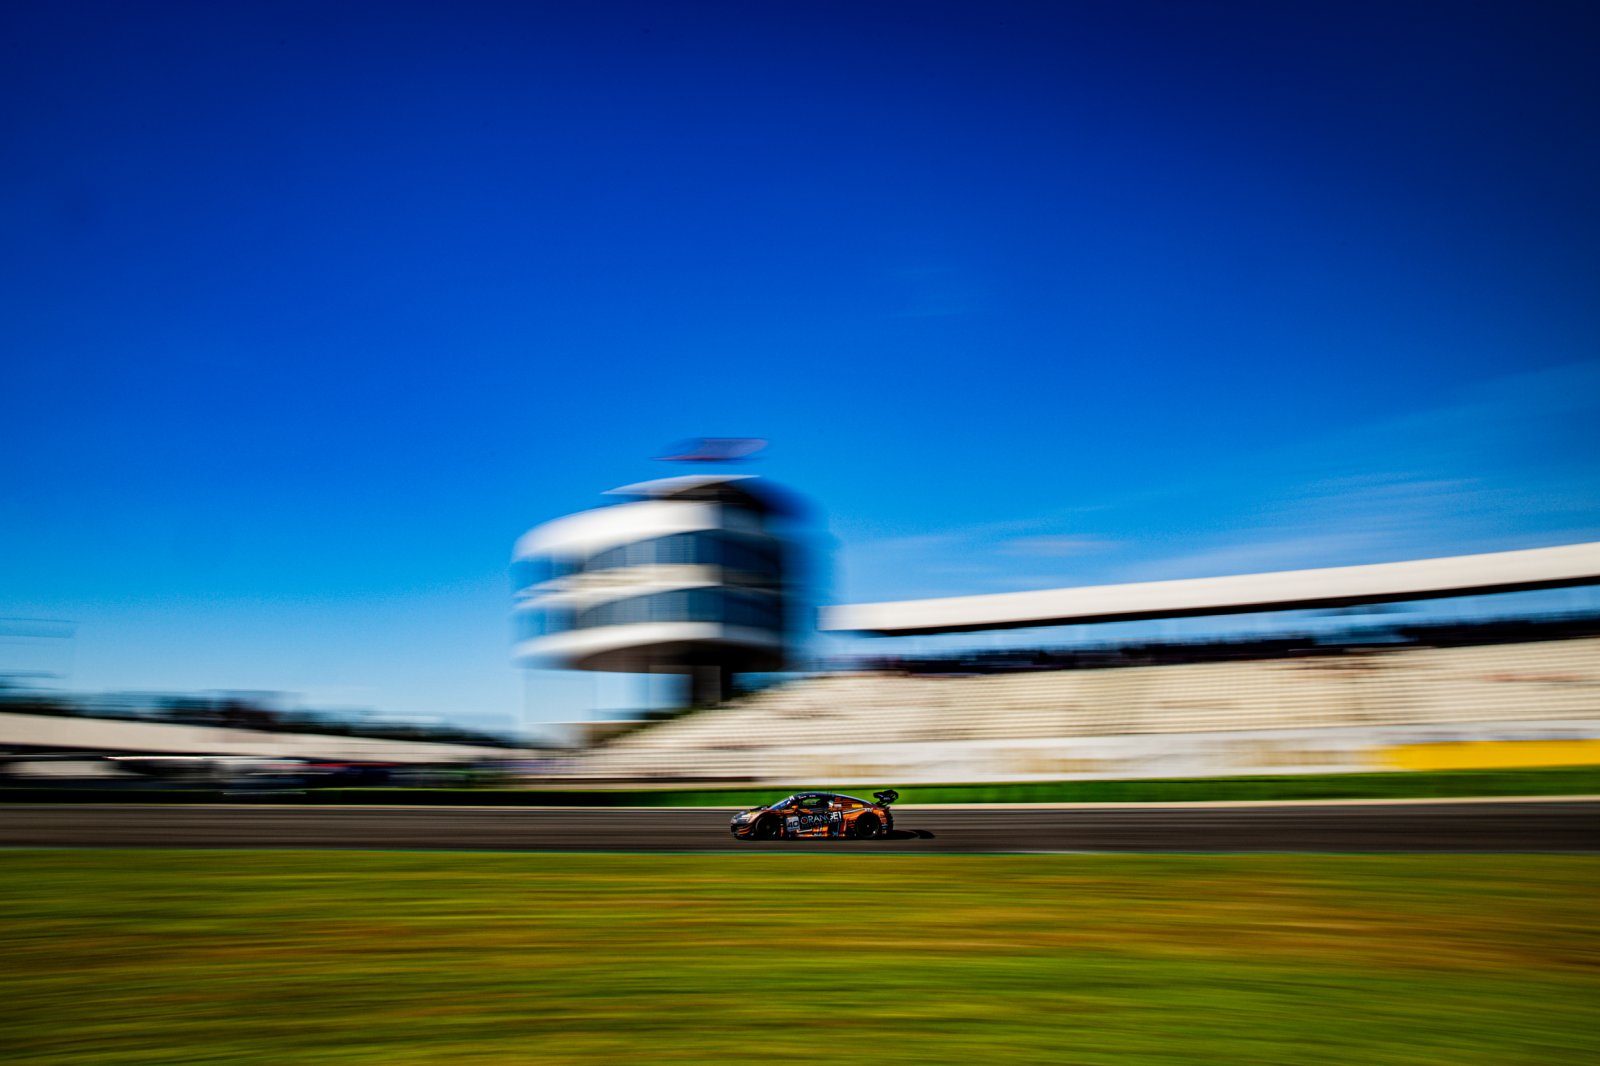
{"points": [[817, 814]]}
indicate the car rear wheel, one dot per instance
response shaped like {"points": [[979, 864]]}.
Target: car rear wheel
{"points": [[766, 828], [868, 826]]}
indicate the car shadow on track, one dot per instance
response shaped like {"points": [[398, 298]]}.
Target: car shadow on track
{"points": [[907, 834]]}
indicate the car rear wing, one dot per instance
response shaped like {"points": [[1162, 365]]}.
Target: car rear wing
{"points": [[886, 797]]}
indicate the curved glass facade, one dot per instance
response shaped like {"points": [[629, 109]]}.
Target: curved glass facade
{"points": [[756, 556], [525, 573], [538, 622], [726, 606], [750, 552], [732, 607]]}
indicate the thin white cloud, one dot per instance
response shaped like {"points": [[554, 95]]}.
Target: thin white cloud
{"points": [[1056, 546], [953, 562], [1507, 463]]}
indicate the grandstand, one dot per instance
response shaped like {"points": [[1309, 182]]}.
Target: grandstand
{"points": [[1510, 692], [1356, 709], [38, 727]]}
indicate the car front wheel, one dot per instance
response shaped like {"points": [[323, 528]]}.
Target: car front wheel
{"points": [[767, 828]]}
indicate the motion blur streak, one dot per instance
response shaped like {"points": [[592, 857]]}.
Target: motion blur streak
{"points": [[1460, 827]]}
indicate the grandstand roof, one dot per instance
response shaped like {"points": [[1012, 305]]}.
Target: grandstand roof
{"points": [[1338, 586]]}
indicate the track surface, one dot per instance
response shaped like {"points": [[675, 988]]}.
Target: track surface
{"points": [[1470, 826]]}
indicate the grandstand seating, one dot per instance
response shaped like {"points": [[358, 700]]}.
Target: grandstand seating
{"points": [[1556, 680]]}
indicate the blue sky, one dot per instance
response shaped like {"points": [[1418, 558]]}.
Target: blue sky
{"points": [[311, 309]]}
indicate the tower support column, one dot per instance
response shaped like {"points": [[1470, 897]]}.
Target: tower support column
{"points": [[710, 685]]}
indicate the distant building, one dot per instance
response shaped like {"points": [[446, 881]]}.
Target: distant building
{"points": [[687, 575]]}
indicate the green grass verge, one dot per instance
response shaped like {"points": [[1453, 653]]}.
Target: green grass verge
{"points": [[1566, 780], [1551, 781], [160, 958]]}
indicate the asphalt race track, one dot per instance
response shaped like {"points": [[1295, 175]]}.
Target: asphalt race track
{"points": [[1526, 826]]}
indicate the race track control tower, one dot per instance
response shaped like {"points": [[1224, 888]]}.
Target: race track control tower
{"points": [[690, 575]]}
